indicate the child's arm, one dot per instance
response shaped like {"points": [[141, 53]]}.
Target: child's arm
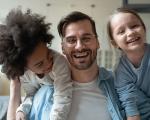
{"points": [[62, 89], [137, 117], [15, 99], [126, 88], [30, 87]]}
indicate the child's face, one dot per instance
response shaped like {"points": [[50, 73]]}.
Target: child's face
{"points": [[40, 61], [128, 32]]}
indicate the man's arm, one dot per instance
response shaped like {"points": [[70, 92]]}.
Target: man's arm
{"points": [[15, 99]]}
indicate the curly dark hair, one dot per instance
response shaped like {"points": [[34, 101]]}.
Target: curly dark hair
{"points": [[18, 38]]}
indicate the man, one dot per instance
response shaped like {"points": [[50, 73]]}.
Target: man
{"points": [[94, 96]]}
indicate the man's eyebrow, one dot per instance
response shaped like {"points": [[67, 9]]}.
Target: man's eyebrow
{"points": [[71, 36], [87, 34], [84, 34]]}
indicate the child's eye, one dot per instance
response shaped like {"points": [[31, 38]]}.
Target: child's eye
{"points": [[135, 26], [40, 65], [120, 32]]}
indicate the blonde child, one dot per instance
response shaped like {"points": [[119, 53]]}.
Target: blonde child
{"points": [[127, 32]]}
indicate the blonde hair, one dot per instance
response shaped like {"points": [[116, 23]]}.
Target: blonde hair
{"points": [[121, 10]]}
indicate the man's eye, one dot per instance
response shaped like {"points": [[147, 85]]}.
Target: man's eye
{"points": [[86, 39], [71, 40]]}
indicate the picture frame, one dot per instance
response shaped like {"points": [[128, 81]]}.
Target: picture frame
{"points": [[142, 8]]}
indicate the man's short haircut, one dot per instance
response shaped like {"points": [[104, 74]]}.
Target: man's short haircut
{"points": [[74, 16]]}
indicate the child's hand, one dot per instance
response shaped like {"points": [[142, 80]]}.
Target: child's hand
{"points": [[137, 117], [15, 89], [20, 116]]}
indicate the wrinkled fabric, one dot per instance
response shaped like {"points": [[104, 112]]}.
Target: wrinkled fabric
{"points": [[43, 99], [132, 85]]}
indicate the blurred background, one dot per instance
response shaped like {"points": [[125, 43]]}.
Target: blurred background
{"points": [[99, 10]]}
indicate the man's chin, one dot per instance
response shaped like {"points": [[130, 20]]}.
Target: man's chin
{"points": [[81, 67]]}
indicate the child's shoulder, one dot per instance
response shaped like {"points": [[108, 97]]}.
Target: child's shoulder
{"points": [[148, 45], [56, 54], [53, 52], [58, 57]]}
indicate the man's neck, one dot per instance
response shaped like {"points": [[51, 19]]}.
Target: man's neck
{"points": [[84, 76]]}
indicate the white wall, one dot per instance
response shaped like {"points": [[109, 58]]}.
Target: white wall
{"points": [[59, 8]]}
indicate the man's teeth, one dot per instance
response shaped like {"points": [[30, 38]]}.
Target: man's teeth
{"points": [[81, 54]]}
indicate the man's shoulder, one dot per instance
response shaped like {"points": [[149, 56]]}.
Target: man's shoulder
{"points": [[105, 74], [106, 78]]}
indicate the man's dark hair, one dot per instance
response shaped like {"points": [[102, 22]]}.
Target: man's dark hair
{"points": [[18, 38], [74, 16]]}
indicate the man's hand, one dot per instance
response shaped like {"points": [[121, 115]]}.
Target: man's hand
{"points": [[20, 116]]}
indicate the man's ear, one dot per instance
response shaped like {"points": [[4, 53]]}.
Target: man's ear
{"points": [[98, 44], [62, 47]]}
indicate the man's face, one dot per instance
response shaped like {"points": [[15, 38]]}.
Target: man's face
{"points": [[80, 44]]}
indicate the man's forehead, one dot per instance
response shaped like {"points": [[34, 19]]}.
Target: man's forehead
{"points": [[78, 29]]}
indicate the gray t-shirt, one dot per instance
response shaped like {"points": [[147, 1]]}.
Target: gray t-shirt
{"points": [[88, 102]]}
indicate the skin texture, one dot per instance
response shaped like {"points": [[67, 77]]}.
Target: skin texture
{"points": [[81, 54], [129, 35]]}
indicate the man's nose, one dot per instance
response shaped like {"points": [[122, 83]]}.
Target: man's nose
{"points": [[79, 44]]}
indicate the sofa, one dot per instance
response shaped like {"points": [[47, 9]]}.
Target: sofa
{"points": [[4, 95], [3, 106]]}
